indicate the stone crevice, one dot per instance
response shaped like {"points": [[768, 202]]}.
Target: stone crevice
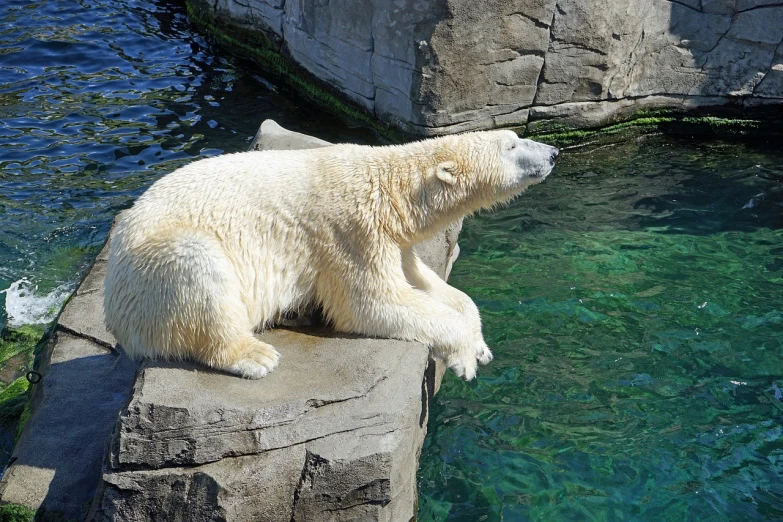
{"points": [[771, 65], [757, 7], [699, 10], [100, 342], [704, 66], [551, 39], [567, 46], [189, 459], [629, 63], [538, 23]]}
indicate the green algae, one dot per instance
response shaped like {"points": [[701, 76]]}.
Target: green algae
{"points": [[663, 121], [16, 513], [27, 412], [15, 341], [13, 399]]}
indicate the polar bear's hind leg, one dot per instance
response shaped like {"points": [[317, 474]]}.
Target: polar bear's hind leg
{"points": [[198, 311]]}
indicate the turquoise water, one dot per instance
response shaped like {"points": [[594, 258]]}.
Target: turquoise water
{"points": [[634, 304]]}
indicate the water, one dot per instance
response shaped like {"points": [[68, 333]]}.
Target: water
{"points": [[633, 301], [98, 98], [634, 304]]}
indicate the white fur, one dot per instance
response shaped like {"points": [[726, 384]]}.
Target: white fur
{"points": [[218, 248]]}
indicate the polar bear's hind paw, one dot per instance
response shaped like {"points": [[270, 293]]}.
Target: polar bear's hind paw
{"points": [[258, 361]]}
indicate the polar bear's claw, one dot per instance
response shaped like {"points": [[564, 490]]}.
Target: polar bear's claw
{"points": [[249, 369], [466, 372], [483, 354]]}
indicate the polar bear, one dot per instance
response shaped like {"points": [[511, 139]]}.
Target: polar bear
{"points": [[219, 248]]}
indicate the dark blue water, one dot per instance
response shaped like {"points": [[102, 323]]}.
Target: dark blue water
{"points": [[98, 98]]}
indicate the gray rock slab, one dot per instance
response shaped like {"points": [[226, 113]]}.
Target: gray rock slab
{"points": [[335, 441], [258, 487], [184, 415], [80, 313], [56, 466]]}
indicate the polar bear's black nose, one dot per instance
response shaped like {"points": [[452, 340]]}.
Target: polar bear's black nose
{"points": [[555, 152]]}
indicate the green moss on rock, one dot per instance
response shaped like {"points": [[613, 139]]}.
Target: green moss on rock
{"points": [[16, 513], [653, 121], [14, 341], [14, 398], [27, 412]]}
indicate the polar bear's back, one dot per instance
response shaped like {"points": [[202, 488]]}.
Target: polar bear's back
{"points": [[223, 185]]}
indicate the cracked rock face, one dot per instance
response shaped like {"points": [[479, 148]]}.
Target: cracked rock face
{"points": [[440, 66], [312, 441]]}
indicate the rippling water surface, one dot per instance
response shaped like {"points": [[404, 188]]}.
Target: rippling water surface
{"points": [[634, 304], [98, 98]]}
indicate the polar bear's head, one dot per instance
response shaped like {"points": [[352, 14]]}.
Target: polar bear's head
{"points": [[525, 162], [482, 169]]}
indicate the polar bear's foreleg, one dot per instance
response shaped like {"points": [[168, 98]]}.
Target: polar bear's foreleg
{"points": [[390, 307], [420, 276]]}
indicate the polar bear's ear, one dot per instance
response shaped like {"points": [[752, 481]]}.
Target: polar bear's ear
{"points": [[445, 172]]}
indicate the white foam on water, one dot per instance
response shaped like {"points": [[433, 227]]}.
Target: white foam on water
{"points": [[24, 305]]}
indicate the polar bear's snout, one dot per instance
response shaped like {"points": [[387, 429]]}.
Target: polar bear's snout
{"points": [[551, 154], [532, 161]]}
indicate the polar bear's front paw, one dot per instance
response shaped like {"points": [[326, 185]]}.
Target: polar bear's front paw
{"points": [[464, 367], [261, 359], [483, 354]]}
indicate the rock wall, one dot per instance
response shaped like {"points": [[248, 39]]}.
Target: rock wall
{"points": [[439, 66]]}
